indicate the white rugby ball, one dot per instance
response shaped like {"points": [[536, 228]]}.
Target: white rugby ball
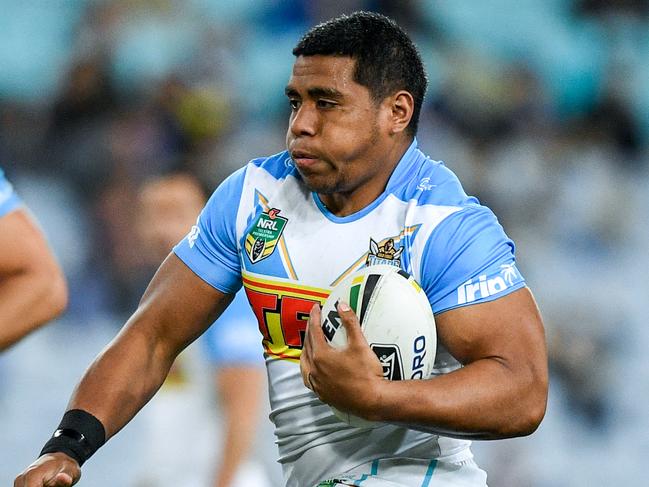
{"points": [[396, 319]]}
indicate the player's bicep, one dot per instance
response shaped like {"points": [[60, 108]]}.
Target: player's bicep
{"points": [[468, 259], [508, 329], [178, 306]]}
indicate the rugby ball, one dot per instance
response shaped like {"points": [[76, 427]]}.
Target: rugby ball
{"points": [[396, 319]]}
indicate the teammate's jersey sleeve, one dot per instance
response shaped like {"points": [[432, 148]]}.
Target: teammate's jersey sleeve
{"points": [[234, 340], [210, 248], [468, 259], [9, 200]]}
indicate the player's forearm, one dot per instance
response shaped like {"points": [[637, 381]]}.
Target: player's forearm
{"points": [[486, 400], [123, 378], [27, 300], [175, 309]]}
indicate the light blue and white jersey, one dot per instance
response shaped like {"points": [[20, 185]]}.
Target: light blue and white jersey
{"points": [[9, 200], [264, 229]]}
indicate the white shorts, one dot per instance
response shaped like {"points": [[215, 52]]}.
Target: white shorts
{"points": [[416, 473]]}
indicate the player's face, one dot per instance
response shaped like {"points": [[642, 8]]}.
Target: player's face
{"points": [[337, 133]]}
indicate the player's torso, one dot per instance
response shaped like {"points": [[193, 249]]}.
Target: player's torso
{"points": [[293, 252]]}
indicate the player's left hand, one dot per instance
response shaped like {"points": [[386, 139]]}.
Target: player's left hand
{"points": [[347, 378]]}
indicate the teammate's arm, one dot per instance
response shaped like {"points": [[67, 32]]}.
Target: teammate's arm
{"points": [[500, 392], [32, 286], [175, 309], [240, 398]]}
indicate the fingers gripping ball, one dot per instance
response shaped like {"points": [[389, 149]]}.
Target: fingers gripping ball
{"points": [[396, 319]]}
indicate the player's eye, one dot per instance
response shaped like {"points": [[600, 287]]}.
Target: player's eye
{"points": [[325, 104], [295, 104]]}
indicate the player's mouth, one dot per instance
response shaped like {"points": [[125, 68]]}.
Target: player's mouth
{"points": [[304, 159]]}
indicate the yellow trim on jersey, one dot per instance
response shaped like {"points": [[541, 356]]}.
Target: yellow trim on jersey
{"points": [[287, 259], [397, 239], [284, 287]]}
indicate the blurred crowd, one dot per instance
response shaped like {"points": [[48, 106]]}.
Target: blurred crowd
{"points": [[540, 106]]}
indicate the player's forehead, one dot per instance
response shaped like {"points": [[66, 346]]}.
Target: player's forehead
{"points": [[323, 73]]}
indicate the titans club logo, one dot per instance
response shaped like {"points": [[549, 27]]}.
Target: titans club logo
{"points": [[384, 254]]}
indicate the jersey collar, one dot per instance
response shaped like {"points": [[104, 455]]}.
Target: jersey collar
{"points": [[409, 163]]}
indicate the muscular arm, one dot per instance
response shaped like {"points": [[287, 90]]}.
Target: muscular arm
{"points": [[32, 286], [500, 392], [175, 309]]}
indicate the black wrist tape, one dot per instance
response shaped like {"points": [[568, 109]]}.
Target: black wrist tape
{"points": [[79, 436]]}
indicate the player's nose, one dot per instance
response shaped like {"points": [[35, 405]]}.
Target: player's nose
{"points": [[304, 121]]}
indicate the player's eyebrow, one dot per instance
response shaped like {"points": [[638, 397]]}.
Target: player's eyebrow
{"points": [[290, 91], [316, 92], [319, 92]]}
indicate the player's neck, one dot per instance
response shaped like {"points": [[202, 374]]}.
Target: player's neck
{"points": [[347, 203]]}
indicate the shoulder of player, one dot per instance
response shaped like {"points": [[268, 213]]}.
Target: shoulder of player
{"points": [[259, 171], [9, 200], [278, 166], [433, 183]]}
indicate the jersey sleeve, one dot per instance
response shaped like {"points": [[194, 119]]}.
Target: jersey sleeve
{"points": [[468, 259], [210, 248], [9, 200]]}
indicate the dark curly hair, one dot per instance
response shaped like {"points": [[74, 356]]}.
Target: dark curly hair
{"points": [[386, 58]]}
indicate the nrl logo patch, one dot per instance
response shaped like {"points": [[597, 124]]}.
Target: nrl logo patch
{"points": [[384, 254], [264, 235]]}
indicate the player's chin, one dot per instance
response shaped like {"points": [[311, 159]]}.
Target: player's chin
{"points": [[318, 183]]}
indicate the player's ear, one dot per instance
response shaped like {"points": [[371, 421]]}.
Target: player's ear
{"points": [[401, 105]]}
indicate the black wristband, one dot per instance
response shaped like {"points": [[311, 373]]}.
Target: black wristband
{"points": [[79, 436]]}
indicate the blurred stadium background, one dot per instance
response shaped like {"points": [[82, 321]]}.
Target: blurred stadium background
{"points": [[540, 106]]}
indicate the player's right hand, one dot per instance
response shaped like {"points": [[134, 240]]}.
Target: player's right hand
{"points": [[50, 470]]}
